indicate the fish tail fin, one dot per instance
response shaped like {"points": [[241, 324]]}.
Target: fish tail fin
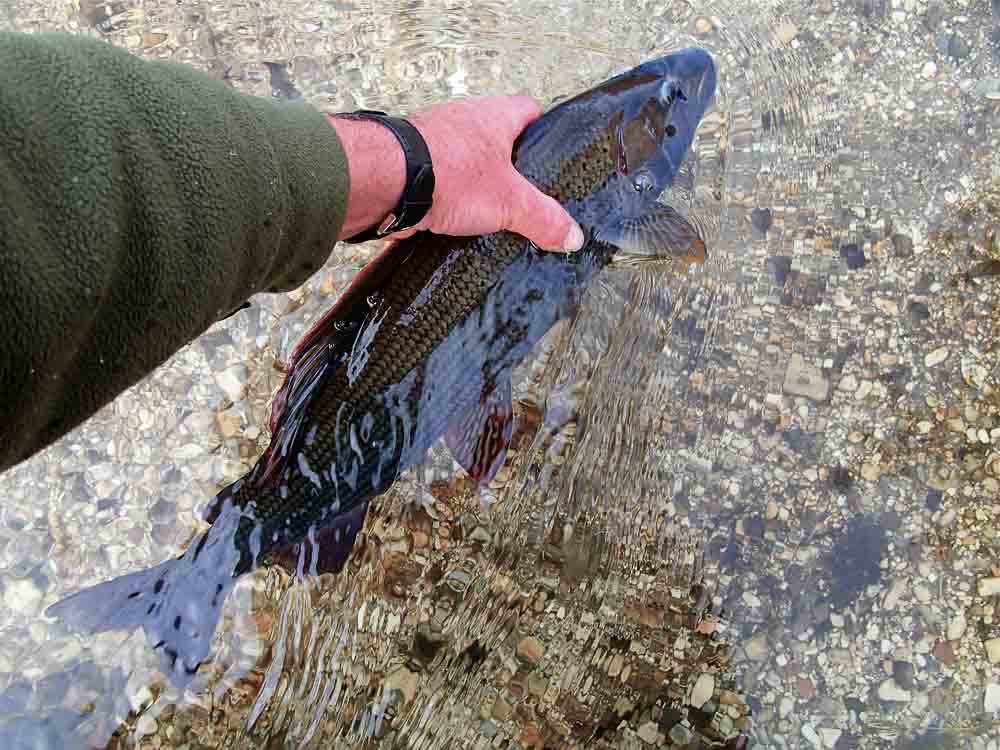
{"points": [[178, 603], [179, 613]]}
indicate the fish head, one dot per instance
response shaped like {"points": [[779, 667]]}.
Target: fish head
{"points": [[609, 153], [659, 120]]}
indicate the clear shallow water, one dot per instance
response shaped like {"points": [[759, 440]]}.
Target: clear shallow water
{"points": [[759, 500]]}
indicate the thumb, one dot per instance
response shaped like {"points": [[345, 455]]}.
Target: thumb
{"points": [[533, 214]]}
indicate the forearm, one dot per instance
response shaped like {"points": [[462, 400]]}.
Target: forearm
{"points": [[139, 203], [377, 170]]}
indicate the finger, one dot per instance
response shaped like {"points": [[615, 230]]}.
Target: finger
{"points": [[540, 218], [402, 235], [521, 111]]}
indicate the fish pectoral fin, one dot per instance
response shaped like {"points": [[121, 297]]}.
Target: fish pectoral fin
{"points": [[479, 440], [659, 234]]}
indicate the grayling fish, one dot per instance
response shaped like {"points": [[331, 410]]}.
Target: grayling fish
{"points": [[422, 346]]}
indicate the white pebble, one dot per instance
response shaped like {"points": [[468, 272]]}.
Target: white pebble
{"points": [[993, 650], [929, 70], [703, 688], [956, 627], [22, 596], [936, 357], [810, 734], [232, 381], [890, 691], [991, 702], [989, 586]]}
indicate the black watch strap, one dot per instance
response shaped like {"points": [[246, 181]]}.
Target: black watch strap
{"points": [[418, 191]]}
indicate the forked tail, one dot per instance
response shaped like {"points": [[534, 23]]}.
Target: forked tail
{"points": [[178, 603]]}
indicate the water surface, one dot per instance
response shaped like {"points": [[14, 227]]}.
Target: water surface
{"points": [[755, 503]]}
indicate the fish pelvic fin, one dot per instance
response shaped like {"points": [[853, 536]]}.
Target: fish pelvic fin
{"points": [[479, 439], [178, 603]]}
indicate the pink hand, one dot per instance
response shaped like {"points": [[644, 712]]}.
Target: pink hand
{"points": [[478, 191]]}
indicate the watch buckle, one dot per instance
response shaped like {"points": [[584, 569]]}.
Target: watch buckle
{"points": [[386, 226]]}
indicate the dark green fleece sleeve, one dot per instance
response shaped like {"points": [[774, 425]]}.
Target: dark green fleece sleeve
{"points": [[139, 203]]}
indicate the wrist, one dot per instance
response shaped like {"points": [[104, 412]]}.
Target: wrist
{"points": [[377, 170]]}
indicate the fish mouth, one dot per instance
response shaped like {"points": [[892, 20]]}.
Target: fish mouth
{"points": [[693, 70]]}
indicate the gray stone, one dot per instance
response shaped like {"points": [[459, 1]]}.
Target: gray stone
{"points": [[681, 735], [903, 673], [958, 48], [805, 379]]}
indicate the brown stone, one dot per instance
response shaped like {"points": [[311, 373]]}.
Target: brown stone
{"points": [[502, 710], [530, 649], [806, 689], [944, 653]]}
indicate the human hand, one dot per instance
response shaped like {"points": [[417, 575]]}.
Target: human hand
{"points": [[477, 190]]}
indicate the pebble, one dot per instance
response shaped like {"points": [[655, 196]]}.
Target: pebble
{"points": [[903, 673], [703, 688], [805, 379], [922, 593], [864, 389], [229, 423], [22, 596], [989, 586], [956, 627], [232, 381], [756, 647], [146, 725], [785, 707], [991, 702], [993, 650], [944, 653], [894, 594], [681, 735], [929, 70], [703, 26], [531, 650], [988, 88], [649, 733], [870, 471], [786, 32], [888, 690], [936, 357], [958, 48], [810, 734], [829, 736]]}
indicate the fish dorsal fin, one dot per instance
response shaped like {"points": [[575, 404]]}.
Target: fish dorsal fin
{"points": [[659, 234], [321, 351], [479, 440]]}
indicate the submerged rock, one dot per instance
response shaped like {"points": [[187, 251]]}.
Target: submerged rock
{"points": [[854, 560]]}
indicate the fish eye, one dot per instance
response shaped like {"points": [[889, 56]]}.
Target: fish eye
{"points": [[374, 299], [670, 130], [642, 182]]}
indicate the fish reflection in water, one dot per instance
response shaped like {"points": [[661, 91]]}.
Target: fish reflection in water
{"points": [[422, 346]]}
